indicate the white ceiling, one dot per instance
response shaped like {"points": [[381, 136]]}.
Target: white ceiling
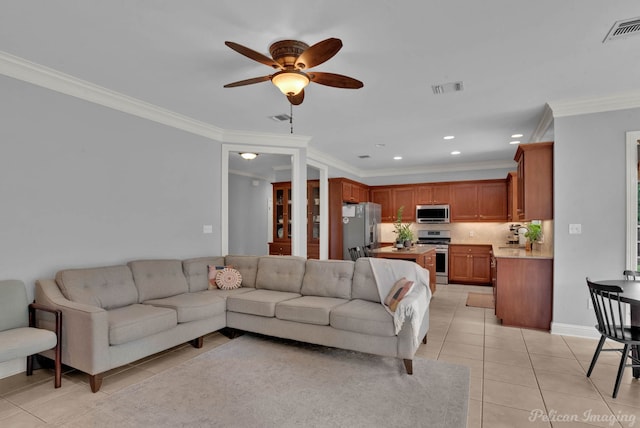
{"points": [[512, 55]]}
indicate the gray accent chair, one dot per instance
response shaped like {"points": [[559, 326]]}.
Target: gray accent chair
{"points": [[19, 337]]}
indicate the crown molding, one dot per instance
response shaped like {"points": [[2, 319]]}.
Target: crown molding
{"points": [[546, 120], [624, 101], [327, 159], [457, 167], [37, 74]]}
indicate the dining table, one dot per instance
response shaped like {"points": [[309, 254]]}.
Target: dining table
{"points": [[630, 295]]}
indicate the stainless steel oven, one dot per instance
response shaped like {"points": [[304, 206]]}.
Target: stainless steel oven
{"points": [[440, 239]]}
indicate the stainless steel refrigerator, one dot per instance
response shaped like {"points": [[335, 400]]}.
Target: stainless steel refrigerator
{"points": [[360, 226]]}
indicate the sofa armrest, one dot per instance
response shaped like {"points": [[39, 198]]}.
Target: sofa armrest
{"points": [[85, 342], [413, 331]]}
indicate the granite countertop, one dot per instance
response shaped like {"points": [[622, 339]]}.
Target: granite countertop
{"points": [[414, 249], [517, 252]]}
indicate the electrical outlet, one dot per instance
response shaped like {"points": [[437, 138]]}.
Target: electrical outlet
{"points": [[207, 228], [472, 233], [575, 229]]}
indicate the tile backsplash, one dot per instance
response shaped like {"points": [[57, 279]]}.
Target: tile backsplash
{"points": [[472, 233]]}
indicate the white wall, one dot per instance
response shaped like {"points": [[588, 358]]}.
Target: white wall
{"points": [[249, 212], [84, 185], [589, 189]]}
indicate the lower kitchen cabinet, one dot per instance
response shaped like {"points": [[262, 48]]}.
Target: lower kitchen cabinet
{"points": [[470, 264], [524, 292]]}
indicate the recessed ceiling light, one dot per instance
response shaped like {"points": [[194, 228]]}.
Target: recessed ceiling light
{"points": [[517, 136], [449, 137], [380, 145], [455, 152], [514, 142], [397, 157]]}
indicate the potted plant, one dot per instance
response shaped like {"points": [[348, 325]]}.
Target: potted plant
{"points": [[533, 234], [404, 233]]}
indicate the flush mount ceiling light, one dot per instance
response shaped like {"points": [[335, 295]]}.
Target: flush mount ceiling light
{"points": [[248, 155]]}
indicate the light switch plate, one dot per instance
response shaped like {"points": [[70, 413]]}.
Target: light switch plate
{"points": [[207, 228], [575, 229]]}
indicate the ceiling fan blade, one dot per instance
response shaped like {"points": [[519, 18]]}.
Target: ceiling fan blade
{"points": [[335, 80], [248, 81], [296, 100], [318, 53], [256, 56]]}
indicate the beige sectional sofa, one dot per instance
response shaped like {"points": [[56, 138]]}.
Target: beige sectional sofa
{"points": [[115, 315]]}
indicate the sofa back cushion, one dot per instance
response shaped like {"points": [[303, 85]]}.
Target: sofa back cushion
{"points": [[107, 287], [280, 273], [197, 272], [328, 278], [247, 266], [364, 283], [156, 279]]}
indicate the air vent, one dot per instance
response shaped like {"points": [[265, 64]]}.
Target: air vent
{"points": [[444, 88], [280, 117], [364, 156], [623, 29]]}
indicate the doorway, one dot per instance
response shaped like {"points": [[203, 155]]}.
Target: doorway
{"points": [[633, 199]]}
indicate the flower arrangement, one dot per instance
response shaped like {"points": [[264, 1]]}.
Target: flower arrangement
{"points": [[403, 231]]}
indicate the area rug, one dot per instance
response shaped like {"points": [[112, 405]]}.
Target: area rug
{"points": [[255, 381], [480, 300]]}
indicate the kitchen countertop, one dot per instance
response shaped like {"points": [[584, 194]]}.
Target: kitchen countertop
{"points": [[516, 252], [413, 250]]}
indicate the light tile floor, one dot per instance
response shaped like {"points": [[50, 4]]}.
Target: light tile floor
{"points": [[519, 377]]}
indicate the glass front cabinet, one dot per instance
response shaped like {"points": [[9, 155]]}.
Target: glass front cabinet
{"points": [[282, 219]]}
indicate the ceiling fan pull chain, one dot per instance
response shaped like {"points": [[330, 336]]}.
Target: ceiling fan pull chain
{"points": [[291, 116]]}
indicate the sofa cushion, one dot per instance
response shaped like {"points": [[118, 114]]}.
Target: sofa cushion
{"points": [[280, 273], [191, 306], [156, 279], [247, 266], [258, 302], [362, 316], [137, 321], [107, 287], [308, 309], [197, 273], [328, 278], [364, 283]]}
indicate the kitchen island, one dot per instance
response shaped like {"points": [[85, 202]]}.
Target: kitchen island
{"points": [[523, 287], [424, 255]]}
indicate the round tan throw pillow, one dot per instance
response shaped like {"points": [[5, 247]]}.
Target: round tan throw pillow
{"points": [[228, 279]]}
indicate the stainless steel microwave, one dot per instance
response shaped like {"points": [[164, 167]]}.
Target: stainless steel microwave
{"points": [[432, 213]]}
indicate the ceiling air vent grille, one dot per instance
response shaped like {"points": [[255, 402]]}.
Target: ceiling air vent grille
{"points": [[280, 117], [623, 29], [444, 88], [364, 156]]}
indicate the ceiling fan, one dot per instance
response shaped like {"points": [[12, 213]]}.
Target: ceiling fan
{"points": [[292, 58]]}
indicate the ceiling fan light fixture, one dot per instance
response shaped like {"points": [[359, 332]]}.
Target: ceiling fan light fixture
{"points": [[248, 155], [290, 82]]}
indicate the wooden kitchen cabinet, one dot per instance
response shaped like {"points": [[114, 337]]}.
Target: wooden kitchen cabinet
{"points": [[354, 192], [470, 264], [404, 197], [535, 181], [483, 200], [512, 196], [524, 292], [382, 196], [432, 194], [429, 263]]}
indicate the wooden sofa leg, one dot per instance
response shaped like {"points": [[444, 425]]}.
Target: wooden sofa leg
{"points": [[424, 339], [95, 381], [197, 342], [408, 364], [30, 365]]}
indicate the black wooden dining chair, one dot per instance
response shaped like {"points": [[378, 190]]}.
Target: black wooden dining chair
{"points": [[610, 312], [356, 253], [632, 275]]}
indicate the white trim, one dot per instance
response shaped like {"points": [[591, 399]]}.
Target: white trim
{"points": [[456, 167], [546, 120], [324, 207], [574, 330], [249, 174], [622, 101], [632, 198], [327, 159]]}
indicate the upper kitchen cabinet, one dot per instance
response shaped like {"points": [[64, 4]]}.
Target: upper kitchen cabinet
{"points": [[391, 198], [432, 194], [535, 181], [484, 200], [354, 192], [512, 196]]}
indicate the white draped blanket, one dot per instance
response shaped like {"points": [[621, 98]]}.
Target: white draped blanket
{"points": [[414, 305]]}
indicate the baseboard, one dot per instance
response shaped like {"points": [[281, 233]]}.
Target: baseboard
{"points": [[574, 330], [13, 367]]}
